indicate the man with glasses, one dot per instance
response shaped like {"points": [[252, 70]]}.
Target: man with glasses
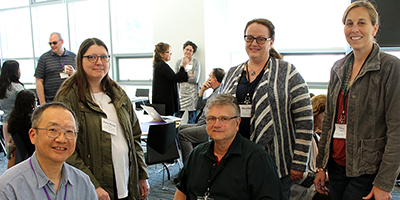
{"points": [[229, 166], [45, 175], [190, 134], [53, 68]]}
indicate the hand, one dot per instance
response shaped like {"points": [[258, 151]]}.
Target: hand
{"points": [[102, 194], [190, 75], [144, 188], [206, 85], [185, 61], [296, 175], [319, 183], [378, 194], [68, 69]]}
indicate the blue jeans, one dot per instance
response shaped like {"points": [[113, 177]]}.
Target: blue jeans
{"points": [[347, 188], [286, 184], [191, 117]]}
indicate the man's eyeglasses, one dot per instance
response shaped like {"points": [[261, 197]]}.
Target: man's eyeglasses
{"points": [[93, 59], [222, 119], [53, 43], [260, 40], [55, 131]]}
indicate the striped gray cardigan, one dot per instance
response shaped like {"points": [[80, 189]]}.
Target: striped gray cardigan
{"points": [[282, 118]]}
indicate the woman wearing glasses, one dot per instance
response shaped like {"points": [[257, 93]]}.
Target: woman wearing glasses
{"points": [[188, 91], [275, 105], [165, 90], [108, 145], [359, 144]]}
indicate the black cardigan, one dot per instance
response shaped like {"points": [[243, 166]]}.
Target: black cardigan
{"points": [[165, 89]]}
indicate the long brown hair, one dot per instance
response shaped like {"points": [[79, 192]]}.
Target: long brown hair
{"points": [[271, 28], [161, 47], [318, 105], [79, 77]]}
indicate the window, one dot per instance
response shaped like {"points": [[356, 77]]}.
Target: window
{"points": [[136, 69], [16, 41], [43, 26], [12, 4], [132, 30]]}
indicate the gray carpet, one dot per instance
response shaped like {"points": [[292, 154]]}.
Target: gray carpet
{"points": [[155, 181]]}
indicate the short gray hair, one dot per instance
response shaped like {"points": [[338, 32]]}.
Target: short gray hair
{"points": [[223, 99]]}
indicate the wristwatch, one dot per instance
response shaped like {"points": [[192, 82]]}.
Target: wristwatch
{"points": [[320, 170]]}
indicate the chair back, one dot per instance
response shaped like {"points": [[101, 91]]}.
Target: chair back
{"points": [[21, 153], [161, 143]]}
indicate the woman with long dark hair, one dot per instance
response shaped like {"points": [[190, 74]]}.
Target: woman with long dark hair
{"points": [[19, 121], [9, 88]]}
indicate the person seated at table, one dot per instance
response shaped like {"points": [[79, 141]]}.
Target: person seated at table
{"points": [[45, 175], [229, 166], [19, 123], [190, 134]]}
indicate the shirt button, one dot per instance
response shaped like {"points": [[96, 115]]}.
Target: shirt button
{"points": [[88, 156], [208, 181], [353, 120], [353, 96]]}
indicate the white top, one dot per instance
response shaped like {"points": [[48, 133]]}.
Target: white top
{"points": [[119, 145]]}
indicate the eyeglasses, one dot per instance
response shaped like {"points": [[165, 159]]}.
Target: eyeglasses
{"points": [[222, 119], [93, 59], [260, 40], [55, 131], [54, 43], [189, 50]]}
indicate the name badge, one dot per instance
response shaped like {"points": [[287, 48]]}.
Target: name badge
{"points": [[189, 67], [204, 198], [245, 110], [340, 131], [63, 75], [109, 126]]}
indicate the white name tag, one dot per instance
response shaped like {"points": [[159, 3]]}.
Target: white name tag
{"points": [[109, 126], [340, 131], [189, 67], [63, 75], [245, 110]]}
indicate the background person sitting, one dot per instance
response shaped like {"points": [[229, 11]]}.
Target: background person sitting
{"points": [[45, 175], [19, 122], [190, 134]]}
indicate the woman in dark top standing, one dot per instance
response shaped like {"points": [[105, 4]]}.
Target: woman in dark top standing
{"points": [[19, 121], [165, 90]]}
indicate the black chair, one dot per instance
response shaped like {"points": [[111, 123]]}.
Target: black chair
{"points": [[162, 146], [21, 153]]}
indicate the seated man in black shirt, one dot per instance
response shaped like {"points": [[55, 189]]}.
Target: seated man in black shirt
{"points": [[229, 166]]}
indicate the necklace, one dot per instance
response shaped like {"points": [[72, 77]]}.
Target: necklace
{"points": [[99, 102], [254, 72], [347, 78]]}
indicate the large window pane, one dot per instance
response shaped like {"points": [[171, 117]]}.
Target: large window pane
{"points": [[135, 69], [132, 26], [43, 26], [27, 71], [314, 68], [88, 19], [15, 34], [13, 3]]}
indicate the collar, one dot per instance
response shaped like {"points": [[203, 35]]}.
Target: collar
{"points": [[216, 88], [66, 53], [235, 148], [42, 179]]}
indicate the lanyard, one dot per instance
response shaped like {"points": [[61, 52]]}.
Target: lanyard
{"points": [[44, 188], [63, 63], [250, 86]]}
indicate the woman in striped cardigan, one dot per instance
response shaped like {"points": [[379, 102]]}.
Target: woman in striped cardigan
{"points": [[275, 104]]}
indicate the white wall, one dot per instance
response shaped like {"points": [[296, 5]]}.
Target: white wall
{"points": [[177, 21]]}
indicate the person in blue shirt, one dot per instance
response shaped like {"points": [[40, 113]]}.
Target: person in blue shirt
{"points": [[45, 175]]}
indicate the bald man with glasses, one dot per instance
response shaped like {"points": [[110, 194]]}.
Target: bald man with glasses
{"points": [[53, 68], [229, 166]]}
